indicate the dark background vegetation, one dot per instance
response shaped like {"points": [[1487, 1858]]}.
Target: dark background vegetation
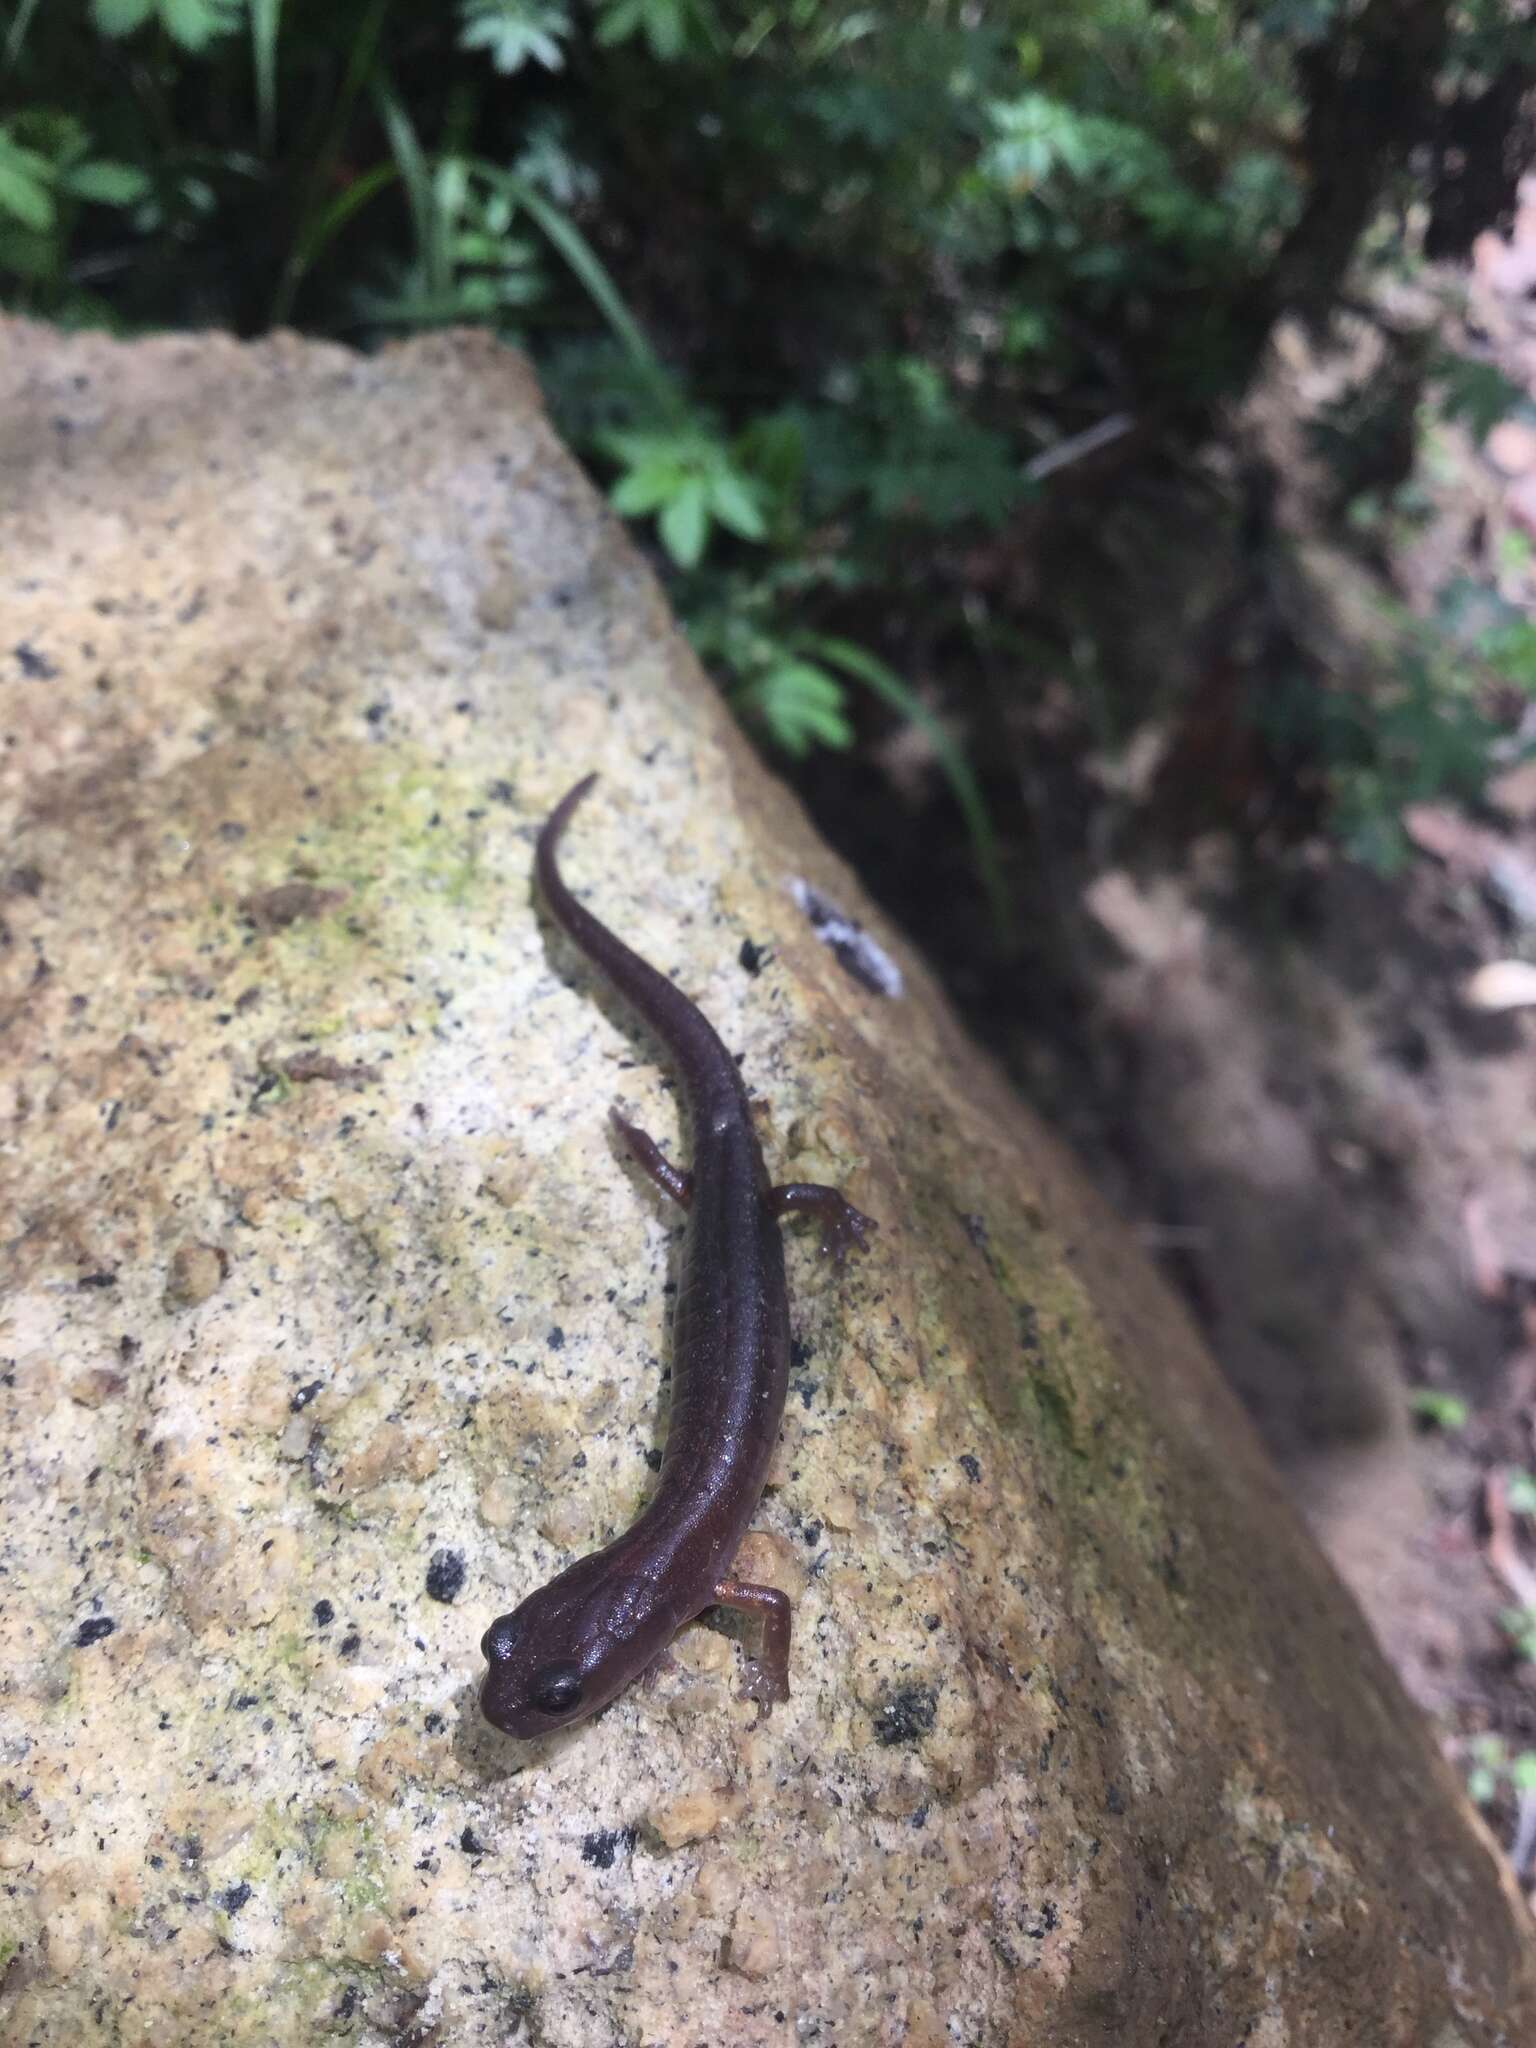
{"points": [[870, 315], [930, 349]]}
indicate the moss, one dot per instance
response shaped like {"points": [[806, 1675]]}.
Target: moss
{"points": [[362, 1888], [1054, 1412], [289, 1649]]}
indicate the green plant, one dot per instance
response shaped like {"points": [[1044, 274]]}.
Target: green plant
{"points": [[1431, 728], [1474, 392], [516, 32], [1492, 1767], [689, 479], [1437, 1409], [1519, 1624], [192, 23], [822, 290], [48, 174]]}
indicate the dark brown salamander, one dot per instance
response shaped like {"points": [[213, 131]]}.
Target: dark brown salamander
{"points": [[577, 1641]]}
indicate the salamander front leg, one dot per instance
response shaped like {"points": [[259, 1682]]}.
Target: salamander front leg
{"points": [[649, 1157], [842, 1226], [768, 1672]]}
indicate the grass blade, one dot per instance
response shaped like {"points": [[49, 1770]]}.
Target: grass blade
{"points": [[324, 227], [590, 273], [361, 58], [885, 684], [266, 17], [16, 34], [417, 180]]}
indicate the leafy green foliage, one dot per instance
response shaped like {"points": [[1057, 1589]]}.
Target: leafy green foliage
{"points": [[1439, 1410], [690, 481], [1492, 1767], [516, 32], [812, 286], [898, 446], [669, 27], [26, 184], [45, 161], [1475, 392], [192, 23], [1433, 728], [48, 173], [1487, 1755], [798, 703], [1519, 1624]]}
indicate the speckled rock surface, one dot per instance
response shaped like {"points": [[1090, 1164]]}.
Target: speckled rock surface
{"points": [[332, 1322]]}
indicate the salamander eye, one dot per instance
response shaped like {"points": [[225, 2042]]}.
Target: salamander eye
{"points": [[555, 1689], [501, 1639]]}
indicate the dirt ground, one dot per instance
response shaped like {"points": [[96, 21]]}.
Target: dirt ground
{"points": [[1276, 1058], [1332, 1118]]}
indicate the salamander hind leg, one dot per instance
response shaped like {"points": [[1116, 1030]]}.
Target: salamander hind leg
{"points": [[767, 1678], [652, 1161], [842, 1226]]}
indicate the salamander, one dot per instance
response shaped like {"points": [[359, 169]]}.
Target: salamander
{"points": [[577, 1641]]}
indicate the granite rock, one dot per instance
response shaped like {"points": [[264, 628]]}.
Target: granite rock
{"points": [[332, 1323]]}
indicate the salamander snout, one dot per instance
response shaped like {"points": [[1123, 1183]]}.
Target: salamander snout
{"points": [[567, 1650], [521, 1695]]}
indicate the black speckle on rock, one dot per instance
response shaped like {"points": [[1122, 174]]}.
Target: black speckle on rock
{"points": [[471, 1843], [753, 958], [94, 1630], [302, 1396], [556, 1338], [434, 1724], [377, 713], [324, 1614], [244, 1701], [349, 1645], [235, 1897], [501, 792], [907, 1716], [445, 1575], [97, 1280], [348, 2002], [601, 1847], [653, 1458], [970, 1465], [812, 1533], [37, 668]]}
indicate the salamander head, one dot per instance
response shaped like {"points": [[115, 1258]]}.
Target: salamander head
{"points": [[570, 1647]]}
